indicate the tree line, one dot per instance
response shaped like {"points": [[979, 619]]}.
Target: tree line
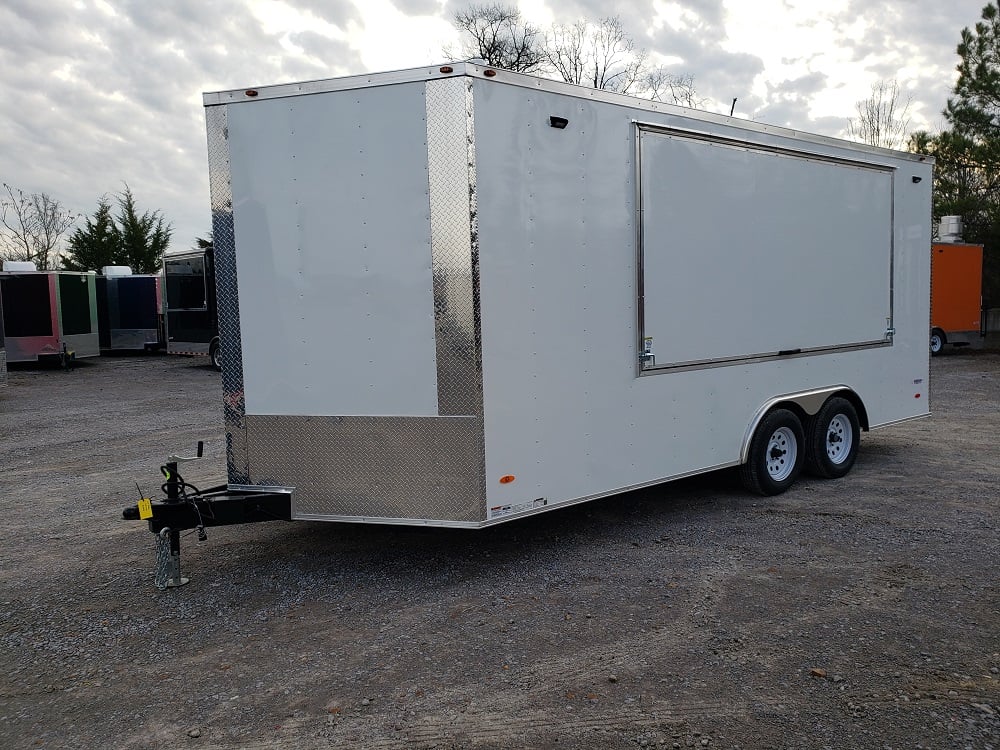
{"points": [[36, 227]]}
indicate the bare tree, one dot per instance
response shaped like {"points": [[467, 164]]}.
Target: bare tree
{"points": [[882, 118], [33, 225], [601, 55], [604, 56], [663, 86], [566, 51], [499, 35]]}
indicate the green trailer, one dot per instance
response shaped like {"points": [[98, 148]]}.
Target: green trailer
{"points": [[49, 314]]}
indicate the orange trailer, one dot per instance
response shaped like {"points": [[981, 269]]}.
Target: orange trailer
{"points": [[956, 295]]}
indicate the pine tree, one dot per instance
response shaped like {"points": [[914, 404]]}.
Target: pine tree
{"points": [[967, 172], [126, 239], [142, 238], [95, 245]]}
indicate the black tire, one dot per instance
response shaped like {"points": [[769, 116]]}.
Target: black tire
{"points": [[938, 340], [769, 469], [833, 436], [215, 353]]}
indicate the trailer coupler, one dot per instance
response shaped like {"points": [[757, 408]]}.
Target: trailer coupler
{"points": [[185, 507]]}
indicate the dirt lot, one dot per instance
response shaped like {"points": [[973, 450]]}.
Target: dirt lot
{"points": [[859, 613]]}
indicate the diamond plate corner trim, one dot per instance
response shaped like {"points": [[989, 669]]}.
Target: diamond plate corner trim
{"points": [[227, 294], [3, 367], [454, 245], [451, 171]]}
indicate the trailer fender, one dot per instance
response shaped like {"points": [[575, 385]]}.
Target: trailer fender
{"points": [[805, 404]]}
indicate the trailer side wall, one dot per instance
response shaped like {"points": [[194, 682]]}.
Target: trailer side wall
{"points": [[568, 411], [956, 287]]}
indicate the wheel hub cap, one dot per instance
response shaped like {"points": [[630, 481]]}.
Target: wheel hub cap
{"points": [[782, 450], [839, 439]]}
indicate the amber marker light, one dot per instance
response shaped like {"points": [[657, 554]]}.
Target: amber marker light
{"points": [[251, 92], [446, 69], [506, 479]]}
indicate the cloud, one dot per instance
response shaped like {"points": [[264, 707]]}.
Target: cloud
{"points": [[417, 7], [100, 92], [98, 95], [788, 103]]}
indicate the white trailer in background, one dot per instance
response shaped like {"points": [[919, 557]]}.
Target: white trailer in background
{"points": [[458, 295]]}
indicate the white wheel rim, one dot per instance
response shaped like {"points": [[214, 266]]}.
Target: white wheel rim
{"points": [[839, 439], [935, 343], [782, 451]]}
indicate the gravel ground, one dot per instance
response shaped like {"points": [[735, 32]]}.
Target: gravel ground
{"points": [[858, 613]]}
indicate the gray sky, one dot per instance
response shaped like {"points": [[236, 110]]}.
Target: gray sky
{"points": [[95, 93]]}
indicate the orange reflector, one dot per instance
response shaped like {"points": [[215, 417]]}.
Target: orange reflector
{"points": [[250, 92], [506, 479], [489, 73], [446, 69]]}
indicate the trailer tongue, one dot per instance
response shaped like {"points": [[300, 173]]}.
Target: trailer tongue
{"points": [[185, 507]]}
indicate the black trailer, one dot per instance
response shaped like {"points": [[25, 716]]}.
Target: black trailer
{"points": [[191, 318], [129, 310]]}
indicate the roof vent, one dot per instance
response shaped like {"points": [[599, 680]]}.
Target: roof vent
{"points": [[950, 229], [19, 266], [116, 271]]}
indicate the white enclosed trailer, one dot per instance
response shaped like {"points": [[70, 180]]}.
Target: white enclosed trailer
{"points": [[458, 295]]}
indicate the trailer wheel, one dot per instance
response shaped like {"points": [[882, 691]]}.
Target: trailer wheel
{"points": [[215, 353], [776, 452], [938, 341], [834, 437]]}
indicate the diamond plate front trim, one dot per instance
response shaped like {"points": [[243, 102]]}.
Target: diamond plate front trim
{"points": [[3, 367], [227, 294], [415, 468]]}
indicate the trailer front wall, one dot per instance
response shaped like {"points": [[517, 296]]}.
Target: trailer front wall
{"points": [[567, 412], [129, 312], [31, 315], [355, 336], [77, 304]]}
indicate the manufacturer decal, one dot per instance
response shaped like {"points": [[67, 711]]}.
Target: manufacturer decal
{"points": [[499, 511]]}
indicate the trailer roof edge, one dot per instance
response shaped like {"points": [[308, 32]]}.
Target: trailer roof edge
{"points": [[523, 80]]}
